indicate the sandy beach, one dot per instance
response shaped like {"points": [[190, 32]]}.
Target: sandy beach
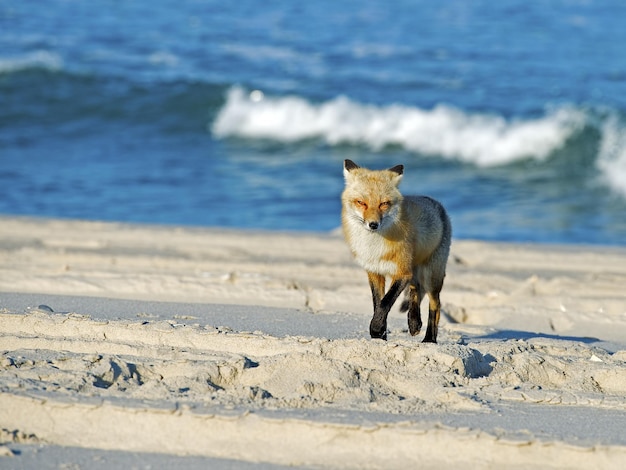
{"points": [[142, 346]]}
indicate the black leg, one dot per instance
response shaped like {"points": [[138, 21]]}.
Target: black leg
{"points": [[377, 285], [378, 325]]}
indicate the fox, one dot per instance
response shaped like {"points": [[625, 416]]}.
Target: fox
{"points": [[402, 238]]}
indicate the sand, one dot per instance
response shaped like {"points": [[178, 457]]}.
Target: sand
{"points": [[154, 347]]}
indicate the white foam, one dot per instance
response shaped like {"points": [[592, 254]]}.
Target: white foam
{"points": [[612, 154], [42, 59], [481, 139]]}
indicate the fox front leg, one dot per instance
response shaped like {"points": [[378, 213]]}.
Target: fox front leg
{"points": [[378, 326], [383, 304]]}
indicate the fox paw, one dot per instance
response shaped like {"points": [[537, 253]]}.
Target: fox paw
{"points": [[382, 334], [415, 327], [429, 339]]}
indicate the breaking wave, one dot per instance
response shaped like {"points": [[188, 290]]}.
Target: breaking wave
{"points": [[612, 154], [480, 139], [477, 138]]}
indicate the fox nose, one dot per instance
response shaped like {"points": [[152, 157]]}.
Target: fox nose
{"points": [[373, 225]]}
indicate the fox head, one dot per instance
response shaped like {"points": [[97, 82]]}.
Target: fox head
{"points": [[371, 198]]}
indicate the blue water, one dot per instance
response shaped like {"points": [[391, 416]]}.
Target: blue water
{"points": [[239, 114]]}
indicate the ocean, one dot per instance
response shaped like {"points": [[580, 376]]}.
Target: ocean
{"points": [[240, 114]]}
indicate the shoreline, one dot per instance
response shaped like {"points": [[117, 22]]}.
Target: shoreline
{"points": [[206, 322], [332, 233]]}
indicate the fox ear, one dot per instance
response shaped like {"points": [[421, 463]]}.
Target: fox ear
{"points": [[399, 170], [348, 166]]}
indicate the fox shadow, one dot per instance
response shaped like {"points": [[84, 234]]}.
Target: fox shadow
{"points": [[505, 335], [481, 365]]}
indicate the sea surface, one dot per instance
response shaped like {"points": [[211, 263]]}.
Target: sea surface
{"points": [[240, 114]]}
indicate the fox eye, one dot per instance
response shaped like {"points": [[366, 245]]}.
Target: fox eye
{"points": [[385, 205], [361, 203]]}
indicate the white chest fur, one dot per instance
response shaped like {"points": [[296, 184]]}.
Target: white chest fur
{"points": [[370, 249]]}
